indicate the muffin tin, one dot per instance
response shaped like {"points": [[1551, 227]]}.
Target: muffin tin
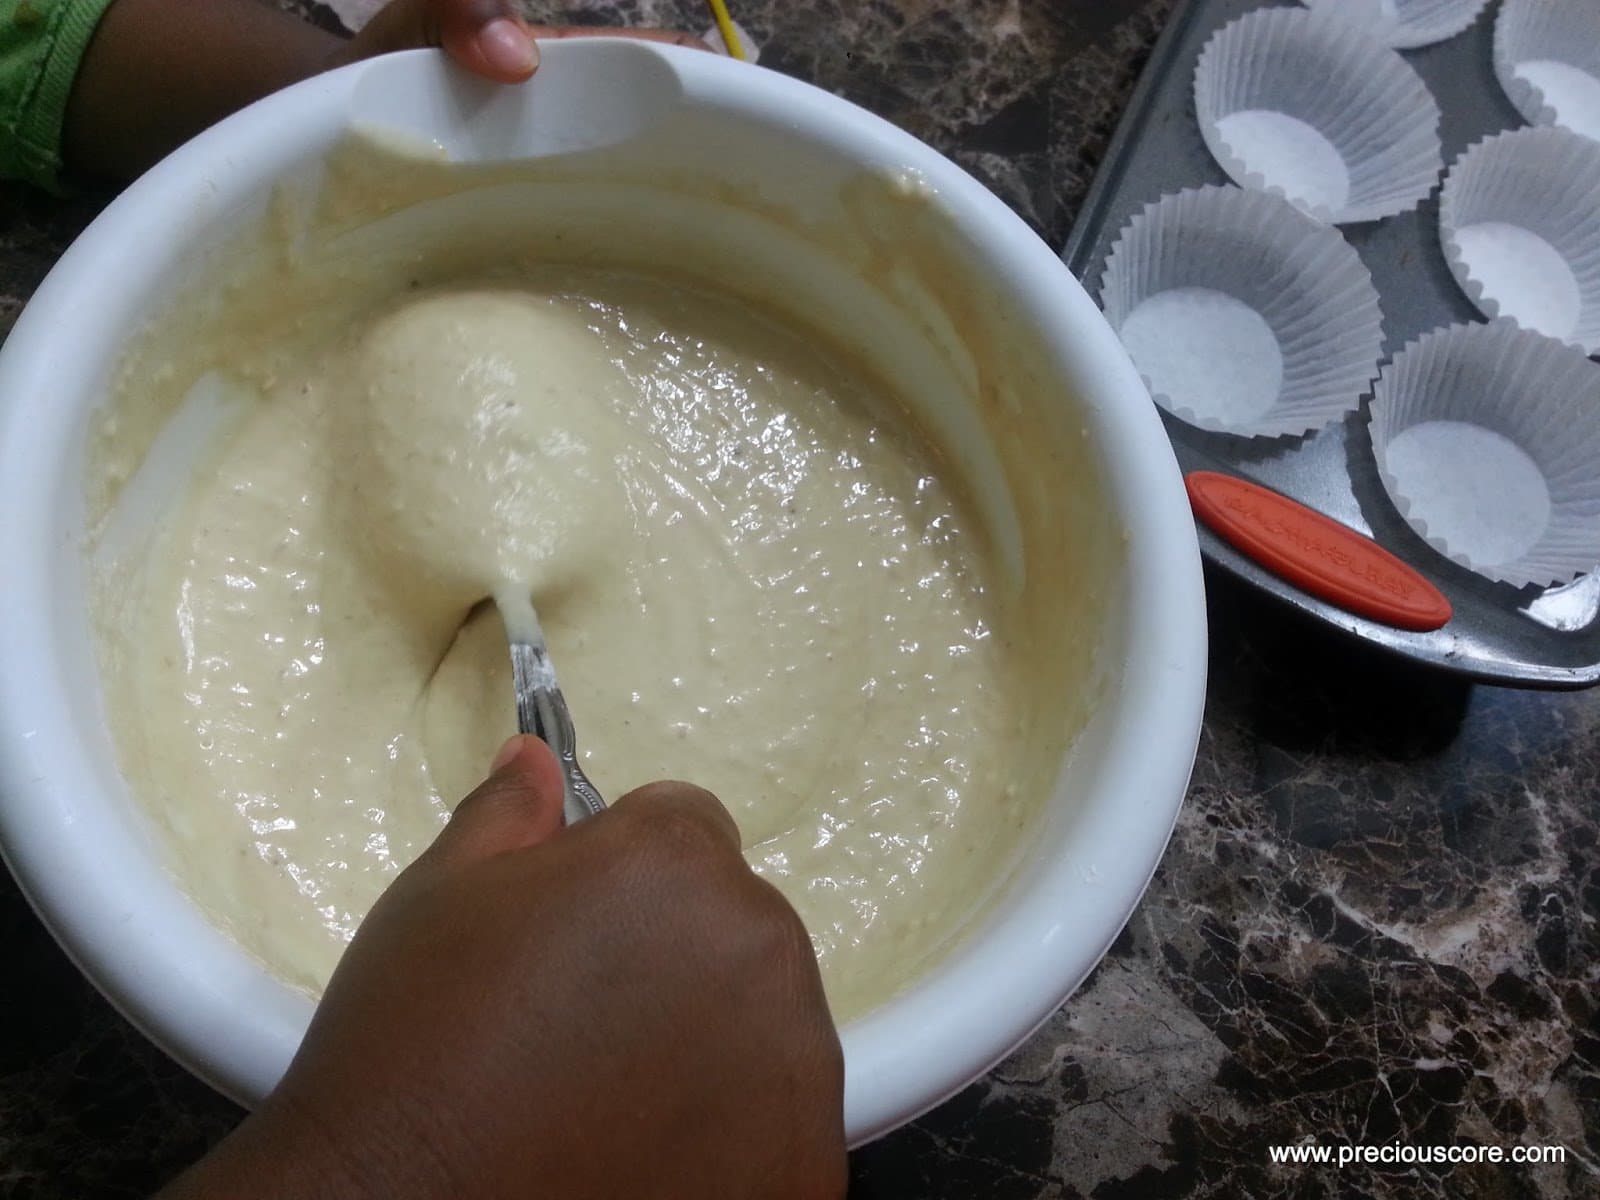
{"points": [[1499, 632]]}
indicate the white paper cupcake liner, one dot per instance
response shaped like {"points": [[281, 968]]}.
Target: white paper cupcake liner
{"points": [[1519, 222], [1313, 109], [1404, 24], [1487, 439], [1547, 58], [1243, 314]]}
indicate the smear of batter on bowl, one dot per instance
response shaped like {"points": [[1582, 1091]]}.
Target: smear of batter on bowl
{"points": [[753, 571]]}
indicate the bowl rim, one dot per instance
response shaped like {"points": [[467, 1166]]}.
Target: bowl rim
{"points": [[143, 943]]}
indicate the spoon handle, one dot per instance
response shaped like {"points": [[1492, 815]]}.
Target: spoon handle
{"points": [[542, 711]]}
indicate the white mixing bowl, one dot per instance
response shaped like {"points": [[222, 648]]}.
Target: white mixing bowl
{"points": [[87, 857]]}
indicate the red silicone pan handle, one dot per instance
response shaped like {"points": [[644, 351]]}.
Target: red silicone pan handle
{"points": [[1315, 553]]}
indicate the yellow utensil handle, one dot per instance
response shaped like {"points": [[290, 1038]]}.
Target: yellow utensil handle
{"points": [[730, 35]]}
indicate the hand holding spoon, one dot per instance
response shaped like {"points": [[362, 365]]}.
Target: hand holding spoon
{"points": [[541, 709]]}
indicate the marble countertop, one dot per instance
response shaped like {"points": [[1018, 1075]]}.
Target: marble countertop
{"points": [[1377, 919]]}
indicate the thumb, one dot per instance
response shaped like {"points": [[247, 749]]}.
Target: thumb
{"points": [[485, 36], [519, 805]]}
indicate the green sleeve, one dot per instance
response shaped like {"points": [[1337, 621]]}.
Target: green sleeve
{"points": [[41, 46]]}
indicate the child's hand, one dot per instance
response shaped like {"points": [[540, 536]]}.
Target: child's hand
{"points": [[485, 36], [617, 1009]]}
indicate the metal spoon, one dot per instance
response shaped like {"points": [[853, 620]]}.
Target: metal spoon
{"points": [[541, 709]]}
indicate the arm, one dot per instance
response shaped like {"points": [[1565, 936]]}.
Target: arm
{"points": [[159, 71]]}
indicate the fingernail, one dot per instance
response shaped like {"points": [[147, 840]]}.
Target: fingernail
{"points": [[507, 752], [506, 47]]}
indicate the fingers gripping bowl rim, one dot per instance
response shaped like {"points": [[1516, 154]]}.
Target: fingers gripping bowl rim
{"points": [[93, 869]]}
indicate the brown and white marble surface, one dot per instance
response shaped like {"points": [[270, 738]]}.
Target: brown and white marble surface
{"points": [[1378, 917]]}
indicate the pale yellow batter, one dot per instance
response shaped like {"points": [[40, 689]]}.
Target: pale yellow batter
{"points": [[751, 573]]}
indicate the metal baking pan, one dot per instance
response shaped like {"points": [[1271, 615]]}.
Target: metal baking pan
{"points": [[1498, 634]]}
